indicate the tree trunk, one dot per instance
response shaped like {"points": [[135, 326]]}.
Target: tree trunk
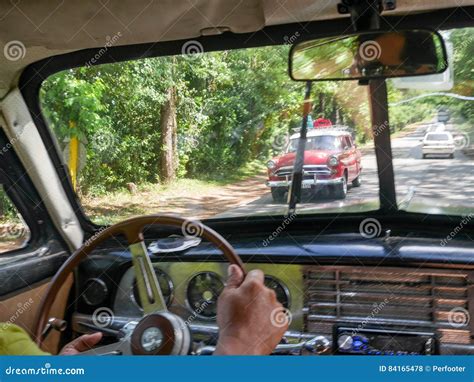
{"points": [[168, 127], [334, 111]]}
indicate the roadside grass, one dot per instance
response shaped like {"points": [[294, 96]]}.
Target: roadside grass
{"points": [[250, 169], [175, 197], [467, 128]]}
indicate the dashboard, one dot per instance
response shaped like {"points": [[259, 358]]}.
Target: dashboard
{"points": [[333, 309], [192, 289]]}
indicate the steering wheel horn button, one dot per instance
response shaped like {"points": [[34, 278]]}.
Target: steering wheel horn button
{"points": [[151, 339], [161, 333]]}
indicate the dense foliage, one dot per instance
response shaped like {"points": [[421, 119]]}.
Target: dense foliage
{"points": [[231, 108]]}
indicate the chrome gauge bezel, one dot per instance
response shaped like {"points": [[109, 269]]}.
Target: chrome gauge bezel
{"points": [[284, 287], [170, 285], [105, 291], [186, 300]]}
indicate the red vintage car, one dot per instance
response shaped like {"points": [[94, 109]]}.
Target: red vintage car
{"points": [[331, 161]]}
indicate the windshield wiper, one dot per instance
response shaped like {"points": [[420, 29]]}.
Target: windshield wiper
{"points": [[294, 193], [403, 204]]}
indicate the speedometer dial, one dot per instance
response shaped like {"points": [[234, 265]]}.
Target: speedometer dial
{"points": [[282, 293], [166, 286], [202, 293]]}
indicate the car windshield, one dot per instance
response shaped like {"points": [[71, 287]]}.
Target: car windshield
{"points": [[322, 142], [437, 137], [212, 135]]}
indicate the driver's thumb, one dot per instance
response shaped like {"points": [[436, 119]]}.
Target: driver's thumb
{"points": [[235, 276]]}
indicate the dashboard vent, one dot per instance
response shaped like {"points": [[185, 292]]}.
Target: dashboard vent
{"points": [[390, 296]]}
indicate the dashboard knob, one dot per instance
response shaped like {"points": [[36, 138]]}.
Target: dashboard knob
{"points": [[344, 342]]}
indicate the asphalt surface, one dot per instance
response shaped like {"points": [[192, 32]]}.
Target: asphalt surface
{"points": [[434, 181]]}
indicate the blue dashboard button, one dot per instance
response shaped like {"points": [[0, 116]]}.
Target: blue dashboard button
{"points": [[357, 344]]}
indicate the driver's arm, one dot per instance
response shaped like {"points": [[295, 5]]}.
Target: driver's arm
{"points": [[249, 315], [15, 341]]}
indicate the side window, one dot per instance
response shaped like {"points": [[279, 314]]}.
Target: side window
{"points": [[346, 143], [13, 231], [342, 143]]}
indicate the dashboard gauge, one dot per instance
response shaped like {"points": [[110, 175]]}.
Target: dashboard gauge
{"points": [[166, 286], [95, 292], [282, 293], [202, 293]]}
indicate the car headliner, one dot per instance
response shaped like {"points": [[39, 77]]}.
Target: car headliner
{"points": [[51, 27]]}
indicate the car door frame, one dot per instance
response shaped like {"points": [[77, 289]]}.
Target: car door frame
{"points": [[45, 250]]}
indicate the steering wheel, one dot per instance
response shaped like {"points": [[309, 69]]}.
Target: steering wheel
{"points": [[159, 332]]}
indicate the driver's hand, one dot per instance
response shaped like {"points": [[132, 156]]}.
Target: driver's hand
{"points": [[248, 315], [80, 344]]}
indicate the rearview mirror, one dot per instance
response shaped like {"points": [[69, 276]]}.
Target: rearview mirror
{"points": [[369, 55]]}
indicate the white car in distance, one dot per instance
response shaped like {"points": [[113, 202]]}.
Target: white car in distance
{"points": [[438, 144]]}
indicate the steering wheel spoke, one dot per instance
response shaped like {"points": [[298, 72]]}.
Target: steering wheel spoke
{"points": [[149, 291], [121, 347]]}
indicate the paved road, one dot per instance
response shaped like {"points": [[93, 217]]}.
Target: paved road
{"points": [[448, 180], [436, 181]]}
